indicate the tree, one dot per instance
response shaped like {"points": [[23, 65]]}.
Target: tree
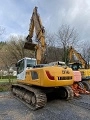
{"points": [[50, 39], [52, 53], [14, 51], [86, 52], [67, 37], [2, 44]]}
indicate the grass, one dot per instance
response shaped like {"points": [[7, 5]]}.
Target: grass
{"points": [[7, 80], [5, 84]]}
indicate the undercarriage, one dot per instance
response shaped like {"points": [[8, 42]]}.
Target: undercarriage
{"points": [[36, 97]]}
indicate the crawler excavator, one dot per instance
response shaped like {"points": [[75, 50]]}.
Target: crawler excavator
{"points": [[80, 65], [36, 80]]}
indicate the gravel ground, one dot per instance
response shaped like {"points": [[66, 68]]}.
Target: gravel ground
{"points": [[76, 109]]}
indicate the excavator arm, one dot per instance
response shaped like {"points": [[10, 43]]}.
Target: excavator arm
{"points": [[72, 52], [40, 36]]}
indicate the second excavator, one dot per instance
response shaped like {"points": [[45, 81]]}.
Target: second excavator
{"points": [[80, 65], [36, 80]]}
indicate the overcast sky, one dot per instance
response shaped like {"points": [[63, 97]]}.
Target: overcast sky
{"points": [[15, 16]]}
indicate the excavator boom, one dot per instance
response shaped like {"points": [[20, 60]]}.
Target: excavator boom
{"points": [[72, 51], [40, 36]]}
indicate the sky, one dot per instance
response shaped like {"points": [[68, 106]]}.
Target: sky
{"points": [[15, 16]]}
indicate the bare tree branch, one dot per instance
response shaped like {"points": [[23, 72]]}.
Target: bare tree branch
{"points": [[66, 37]]}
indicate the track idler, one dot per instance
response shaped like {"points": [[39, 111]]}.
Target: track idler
{"points": [[66, 93]]}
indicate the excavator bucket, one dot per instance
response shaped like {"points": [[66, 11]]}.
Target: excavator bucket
{"points": [[29, 46], [28, 43]]}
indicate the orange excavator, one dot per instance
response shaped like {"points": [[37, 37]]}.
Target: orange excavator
{"points": [[37, 81]]}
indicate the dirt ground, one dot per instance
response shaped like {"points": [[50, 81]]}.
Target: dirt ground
{"points": [[76, 109]]}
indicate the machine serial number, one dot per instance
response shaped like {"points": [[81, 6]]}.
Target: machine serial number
{"points": [[65, 72]]}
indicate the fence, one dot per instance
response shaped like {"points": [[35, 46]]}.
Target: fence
{"points": [[8, 79]]}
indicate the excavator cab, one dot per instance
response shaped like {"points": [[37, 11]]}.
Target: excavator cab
{"points": [[22, 65], [75, 66]]}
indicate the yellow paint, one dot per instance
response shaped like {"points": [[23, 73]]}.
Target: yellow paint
{"points": [[43, 79], [85, 72]]}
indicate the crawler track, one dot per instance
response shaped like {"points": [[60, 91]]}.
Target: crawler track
{"points": [[32, 97], [36, 98]]}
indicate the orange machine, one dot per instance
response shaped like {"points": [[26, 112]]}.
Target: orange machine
{"points": [[36, 81]]}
